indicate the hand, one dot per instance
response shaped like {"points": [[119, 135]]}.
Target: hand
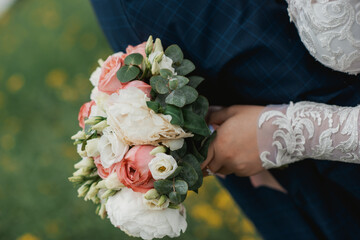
{"points": [[234, 150]]}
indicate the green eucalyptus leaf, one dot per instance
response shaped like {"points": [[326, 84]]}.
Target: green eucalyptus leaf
{"points": [[181, 187], [175, 197], [161, 100], [134, 59], [201, 106], [205, 146], [159, 84], [175, 173], [180, 153], [177, 117], [194, 162], [188, 174], [185, 67], [163, 186], [174, 52], [194, 81], [153, 105], [195, 124], [176, 98], [173, 83], [194, 150], [182, 96], [166, 73], [128, 73], [182, 81]]}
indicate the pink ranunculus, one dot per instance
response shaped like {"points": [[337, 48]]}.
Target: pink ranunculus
{"points": [[133, 170], [137, 49], [85, 111], [108, 81], [103, 172], [143, 86]]}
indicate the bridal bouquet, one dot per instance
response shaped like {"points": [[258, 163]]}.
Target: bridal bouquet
{"points": [[142, 141]]}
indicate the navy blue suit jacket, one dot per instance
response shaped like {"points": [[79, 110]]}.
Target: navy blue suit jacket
{"points": [[250, 53]]}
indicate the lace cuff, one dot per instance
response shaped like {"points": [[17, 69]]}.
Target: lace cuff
{"points": [[289, 133]]}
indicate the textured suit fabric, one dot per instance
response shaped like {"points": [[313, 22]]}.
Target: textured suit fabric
{"points": [[250, 53]]}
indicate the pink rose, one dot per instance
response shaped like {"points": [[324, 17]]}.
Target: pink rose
{"points": [[133, 170], [146, 88], [108, 82], [137, 49], [103, 172], [85, 111]]}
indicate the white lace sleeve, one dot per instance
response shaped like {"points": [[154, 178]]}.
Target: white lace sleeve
{"points": [[289, 133]]}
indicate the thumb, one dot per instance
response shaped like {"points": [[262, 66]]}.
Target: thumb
{"points": [[209, 157]]}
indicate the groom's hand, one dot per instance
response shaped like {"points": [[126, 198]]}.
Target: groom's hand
{"points": [[234, 150]]}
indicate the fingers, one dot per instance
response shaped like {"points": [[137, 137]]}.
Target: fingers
{"points": [[220, 116], [209, 157]]}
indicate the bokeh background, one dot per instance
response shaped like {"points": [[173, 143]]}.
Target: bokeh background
{"points": [[47, 51]]}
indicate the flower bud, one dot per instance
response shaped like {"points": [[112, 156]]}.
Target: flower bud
{"points": [[112, 182], [94, 120], [100, 62], [159, 57], [149, 45], [83, 172], [155, 68], [86, 162], [100, 126], [80, 135], [158, 46], [162, 200], [102, 211], [159, 149], [92, 192], [76, 179], [151, 194], [91, 147], [108, 193], [83, 190]]}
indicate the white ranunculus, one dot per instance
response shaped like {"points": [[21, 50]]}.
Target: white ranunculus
{"points": [[127, 211], [91, 147], [175, 144], [95, 76], [137, 124], [111, 148], [162, 166]]}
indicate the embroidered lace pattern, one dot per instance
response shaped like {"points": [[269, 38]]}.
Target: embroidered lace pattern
{"points": [[289, 133], [330, 30]]}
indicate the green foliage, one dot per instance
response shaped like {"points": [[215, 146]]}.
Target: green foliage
{"points": [[188, 174], [134, 59], [181, 187], [180, 153], [175, 173], [194, 81], [201, 106], [182, 96], [175, 197], [191, 160], [165, 73], [195, 123], [177, 117], [163, 186], [159, 84], [128, 73], [153, 105], [206, 144], [185, 67], [174, 52]]}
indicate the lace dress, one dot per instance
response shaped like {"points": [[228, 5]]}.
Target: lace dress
{"points": [[330, 30]]}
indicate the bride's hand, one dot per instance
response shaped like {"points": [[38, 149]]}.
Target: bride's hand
{"points": [[234, 150]]}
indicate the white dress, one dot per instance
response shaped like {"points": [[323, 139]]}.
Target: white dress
{"points": [[330, 30]]}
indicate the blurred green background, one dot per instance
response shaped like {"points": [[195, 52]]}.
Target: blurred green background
{"points": [[47, 51]]}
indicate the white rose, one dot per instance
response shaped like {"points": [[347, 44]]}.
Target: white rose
{"points": [[95, 76], [127, 211], [137, 124], [162, 166], [111, 148], [91, 147], [175, 144]]}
